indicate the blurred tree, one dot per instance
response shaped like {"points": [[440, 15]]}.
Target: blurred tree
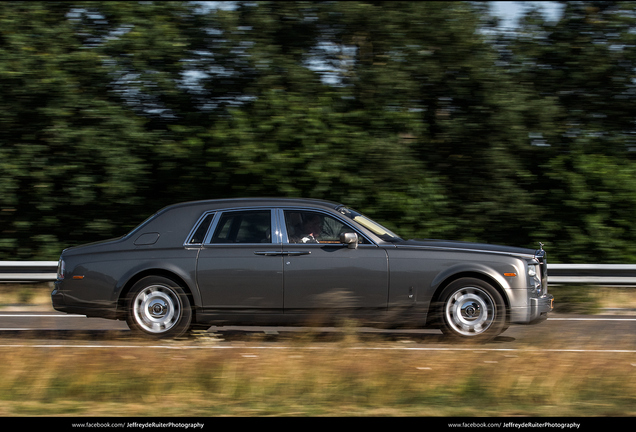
{"points": [[586, 62], [584, 65], [88, 94], [424, 69], [305, 126], [419, 114], [69, 161]]}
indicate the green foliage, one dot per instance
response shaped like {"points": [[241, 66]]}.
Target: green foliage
{"points": [[416, 113]]}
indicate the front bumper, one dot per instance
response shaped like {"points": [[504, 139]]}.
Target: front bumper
{"points": [[539, 308]]}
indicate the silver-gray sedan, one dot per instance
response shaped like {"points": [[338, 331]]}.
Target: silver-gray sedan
{"points": [[297, 261]]}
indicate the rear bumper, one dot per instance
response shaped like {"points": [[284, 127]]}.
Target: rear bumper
{"points": [[57, 298], [60, 303]]}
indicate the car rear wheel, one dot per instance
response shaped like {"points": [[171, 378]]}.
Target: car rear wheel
{"points": [[472, 310], [158, 307]]}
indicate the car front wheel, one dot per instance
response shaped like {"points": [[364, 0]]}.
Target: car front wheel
{"points": [[472, 309], [158, 307]]}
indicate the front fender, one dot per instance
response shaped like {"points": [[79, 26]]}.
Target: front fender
{"points": [[495, 273]]}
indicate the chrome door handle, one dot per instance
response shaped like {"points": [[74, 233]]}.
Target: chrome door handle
{"points": [[274, 253]]}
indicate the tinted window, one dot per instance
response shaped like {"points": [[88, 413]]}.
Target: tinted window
{"points": [[202, 229], [314, 227], [244, 227]]}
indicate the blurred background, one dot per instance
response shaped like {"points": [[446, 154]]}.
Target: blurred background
{"points": [[438, 119]]}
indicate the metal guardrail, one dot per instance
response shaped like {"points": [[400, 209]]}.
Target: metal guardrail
{"points": [[28, 271], [592, 274], [558, 274]]}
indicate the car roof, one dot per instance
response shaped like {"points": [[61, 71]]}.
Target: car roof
{"points": [[252, 202]]}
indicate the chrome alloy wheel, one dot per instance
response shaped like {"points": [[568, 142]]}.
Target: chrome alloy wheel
{"points": [[156, 309], [470, 311]]}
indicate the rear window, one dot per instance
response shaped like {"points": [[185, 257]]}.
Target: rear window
{"points": [[252, 226], [199, 233]]}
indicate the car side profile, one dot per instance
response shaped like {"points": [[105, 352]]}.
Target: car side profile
{"points": [[296, 261]]}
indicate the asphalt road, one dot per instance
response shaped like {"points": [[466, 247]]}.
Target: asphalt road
{"points": [[559, 333]]}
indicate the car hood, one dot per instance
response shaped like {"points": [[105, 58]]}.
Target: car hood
{"points": [[466, 246]]}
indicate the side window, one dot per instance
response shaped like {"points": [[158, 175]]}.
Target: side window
{"points": [[202, 229], [314, 227], [252, 226]]}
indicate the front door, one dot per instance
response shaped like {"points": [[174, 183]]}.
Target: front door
{"points": [[322, 273]]}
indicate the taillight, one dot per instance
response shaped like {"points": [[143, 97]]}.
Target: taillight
{"points": [[60, 270]]}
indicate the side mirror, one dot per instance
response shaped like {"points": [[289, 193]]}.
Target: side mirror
{"points": [[350, 239]]}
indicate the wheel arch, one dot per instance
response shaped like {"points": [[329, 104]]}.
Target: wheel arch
{"points": [[123, 295], [432, 312]]}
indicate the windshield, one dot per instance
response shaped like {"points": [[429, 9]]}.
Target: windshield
{"points": [[372, 226]]}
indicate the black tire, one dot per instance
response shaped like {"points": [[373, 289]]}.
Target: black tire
{"points": [[472, 310], [158, 307]]}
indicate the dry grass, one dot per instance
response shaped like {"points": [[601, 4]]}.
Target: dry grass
{"points": [[619, 298], [589, 299], [303, 381], [334, 380], [31, 295]]}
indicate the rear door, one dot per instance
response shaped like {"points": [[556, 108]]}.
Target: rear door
{"points": [[240, 266]]}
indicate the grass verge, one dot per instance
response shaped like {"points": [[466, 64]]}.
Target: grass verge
{"points": [[25, 294], [333, 380]]}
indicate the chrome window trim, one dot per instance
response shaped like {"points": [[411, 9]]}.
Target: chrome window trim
{"points": [[194, 229], [278, 228], [215, 221]]}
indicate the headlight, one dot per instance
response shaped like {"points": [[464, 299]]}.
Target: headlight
{"points": [[534, 279]]}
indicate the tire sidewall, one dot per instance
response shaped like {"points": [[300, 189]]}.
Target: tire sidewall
{"points": [[184, 319], [498, 324]]}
